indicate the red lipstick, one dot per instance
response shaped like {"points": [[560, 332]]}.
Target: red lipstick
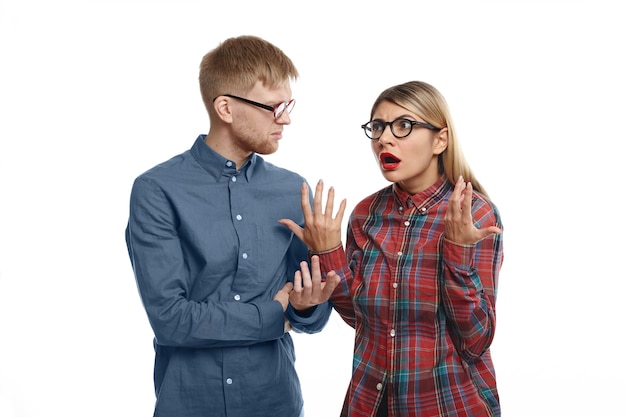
{"points": [[389, 161]]}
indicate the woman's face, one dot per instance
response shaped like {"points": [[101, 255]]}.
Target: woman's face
{"points": [[411, 162]]}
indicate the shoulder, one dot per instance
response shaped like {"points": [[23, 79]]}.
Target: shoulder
{"points": [[162, 175], [485, 210]]}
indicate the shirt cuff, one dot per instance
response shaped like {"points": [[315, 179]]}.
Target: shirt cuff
{"points": [[322, 252], [272, 319], [461, 256], [332, 260]]}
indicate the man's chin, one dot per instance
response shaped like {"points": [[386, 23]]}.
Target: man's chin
{"points": [[268, 150]]}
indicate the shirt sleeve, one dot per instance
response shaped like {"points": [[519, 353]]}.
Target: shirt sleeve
{"points": [[163, 281], [341, 298], [469, 287]]}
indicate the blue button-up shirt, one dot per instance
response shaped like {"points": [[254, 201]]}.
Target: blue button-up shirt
{"points": [[209, 256]]}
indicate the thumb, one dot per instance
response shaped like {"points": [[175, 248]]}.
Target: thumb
{"points": [[491, 230], [332, 280], [293, 226], [288, 287]]}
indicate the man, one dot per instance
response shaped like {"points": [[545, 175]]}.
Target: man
{"points": [[212, 263]]}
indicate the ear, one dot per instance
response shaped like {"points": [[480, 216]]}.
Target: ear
{"points": [[222, 108], [441, 141]]}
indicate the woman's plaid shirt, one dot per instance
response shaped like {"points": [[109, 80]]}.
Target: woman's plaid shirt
{"points": [[423, 308]]}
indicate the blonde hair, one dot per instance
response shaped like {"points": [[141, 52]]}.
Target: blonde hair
{"points": [[238, 63], [427, 102]]}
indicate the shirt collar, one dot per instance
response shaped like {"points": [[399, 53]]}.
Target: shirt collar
{"points": [[426, 199], [216, 165]]}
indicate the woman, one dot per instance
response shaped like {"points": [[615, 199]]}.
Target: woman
{"points": [[419, 274]]}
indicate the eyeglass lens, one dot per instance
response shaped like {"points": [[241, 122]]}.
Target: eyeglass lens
{"points": [[282, 107], [400, 128]]}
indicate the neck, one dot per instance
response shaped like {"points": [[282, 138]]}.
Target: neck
{"points": [[227, 150]]}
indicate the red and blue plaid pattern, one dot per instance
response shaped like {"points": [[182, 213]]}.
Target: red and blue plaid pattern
{"points": [[423, 307]]}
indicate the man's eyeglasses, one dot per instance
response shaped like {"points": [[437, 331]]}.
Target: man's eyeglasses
{"points": [[400, 127], [278, 109]]}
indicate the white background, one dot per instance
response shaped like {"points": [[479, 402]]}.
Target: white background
{"points": [[92, 93]]}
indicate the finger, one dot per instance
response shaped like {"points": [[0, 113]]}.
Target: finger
{"points": [[332, 280], [293, 226], [494, 230], [297, 281], [317, 197], [306, 276], [305, 202], [460, 184], [488, 231], [288, 287], [316, 277], [455, 198], [330, 202], [467, 193], [341, 211], [466, 203]]}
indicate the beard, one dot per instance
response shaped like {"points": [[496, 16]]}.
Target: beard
{"points": [[254, 140]]}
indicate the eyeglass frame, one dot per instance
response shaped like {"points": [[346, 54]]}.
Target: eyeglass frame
{"points": [[273, 109], [390, 124]]}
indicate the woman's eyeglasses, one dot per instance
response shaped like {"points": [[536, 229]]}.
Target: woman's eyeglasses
{"points": [[400, 127]]}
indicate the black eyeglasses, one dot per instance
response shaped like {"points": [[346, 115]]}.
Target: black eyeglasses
{"points": [[278, 109], [400, 128]]}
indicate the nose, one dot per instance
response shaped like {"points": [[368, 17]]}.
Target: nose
{"points": [[284, 118], [386, 137]]}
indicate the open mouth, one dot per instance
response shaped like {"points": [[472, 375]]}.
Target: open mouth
{"points": [[388, 160]]}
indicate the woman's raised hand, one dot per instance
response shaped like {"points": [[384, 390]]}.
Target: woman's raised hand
{"points": [[321, 230], [458, 220]]}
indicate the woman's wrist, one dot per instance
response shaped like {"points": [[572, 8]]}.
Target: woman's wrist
{"points": [[321, 252]]}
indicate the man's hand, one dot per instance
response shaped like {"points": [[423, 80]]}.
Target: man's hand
{"points": [[458, 220], [282, 296], [321, 231], [308, 288]]}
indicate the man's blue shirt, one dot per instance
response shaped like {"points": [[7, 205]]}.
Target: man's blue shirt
{"points": [[209, 256]]}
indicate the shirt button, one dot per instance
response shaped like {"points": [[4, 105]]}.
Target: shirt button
{"points": [[379, 386], [238, 217], [423, 210], [234, 179], [229, 381], [399, 253], [392, 332], [244, 256], [229, 163], [407, 223], [395, 285], [237, 297]]}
